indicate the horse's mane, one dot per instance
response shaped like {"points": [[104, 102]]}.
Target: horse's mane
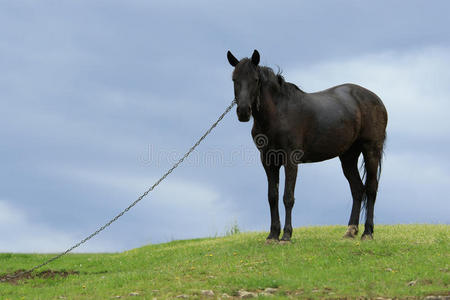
{"points": [[276, 81]]}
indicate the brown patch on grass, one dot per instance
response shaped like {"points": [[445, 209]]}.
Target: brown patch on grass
{"points": [[425, 281], [20, 275]]}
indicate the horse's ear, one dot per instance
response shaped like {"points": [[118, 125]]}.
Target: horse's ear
{"points": [[255, 57], [231, 59]]}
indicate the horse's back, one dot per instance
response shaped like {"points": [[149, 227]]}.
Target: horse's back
{"points": [[340, 116], [363, 106]]}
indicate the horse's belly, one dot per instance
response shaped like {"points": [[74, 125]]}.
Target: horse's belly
{"points": [[317, 157], [327, 147]]}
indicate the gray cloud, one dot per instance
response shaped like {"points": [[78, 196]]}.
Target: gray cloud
{"points": [[86, 88]]}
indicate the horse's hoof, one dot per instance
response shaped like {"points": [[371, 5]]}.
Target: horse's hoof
{"points": [[272, 241], [367, 237], [348, 235], [352, 232], [285, 242]]}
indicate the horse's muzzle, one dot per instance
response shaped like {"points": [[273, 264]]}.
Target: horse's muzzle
{"points": [[244, 113]]}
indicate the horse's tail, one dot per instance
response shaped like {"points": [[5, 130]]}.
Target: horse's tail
{"points": [[380, 155]]}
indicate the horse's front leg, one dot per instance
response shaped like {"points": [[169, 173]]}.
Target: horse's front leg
{"points": [[273, 176], [288, 198]]}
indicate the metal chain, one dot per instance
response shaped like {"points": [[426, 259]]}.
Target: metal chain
{"points": [[132, 204]]}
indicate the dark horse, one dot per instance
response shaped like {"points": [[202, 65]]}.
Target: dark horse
{"points": [[292, 126]]}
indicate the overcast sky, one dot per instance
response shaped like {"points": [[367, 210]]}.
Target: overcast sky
{"points": [[98, 99]]}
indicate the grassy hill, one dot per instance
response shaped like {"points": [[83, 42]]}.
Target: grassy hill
{"points": [[402, 261]]}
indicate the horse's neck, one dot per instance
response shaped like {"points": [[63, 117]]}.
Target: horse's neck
{"points": [[266, 113]]}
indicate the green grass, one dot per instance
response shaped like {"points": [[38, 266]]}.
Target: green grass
{"points": [[317, 264]]}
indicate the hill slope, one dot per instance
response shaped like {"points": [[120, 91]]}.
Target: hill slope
{"points": [[403, 260]]}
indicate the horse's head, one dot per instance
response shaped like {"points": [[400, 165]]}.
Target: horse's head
{"points": [[246, 84]]}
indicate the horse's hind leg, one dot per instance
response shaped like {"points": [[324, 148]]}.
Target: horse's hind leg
{"points": [[372, 159], [349, 162]]}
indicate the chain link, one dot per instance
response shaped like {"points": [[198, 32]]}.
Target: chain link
{"points": [[132, 204]]}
